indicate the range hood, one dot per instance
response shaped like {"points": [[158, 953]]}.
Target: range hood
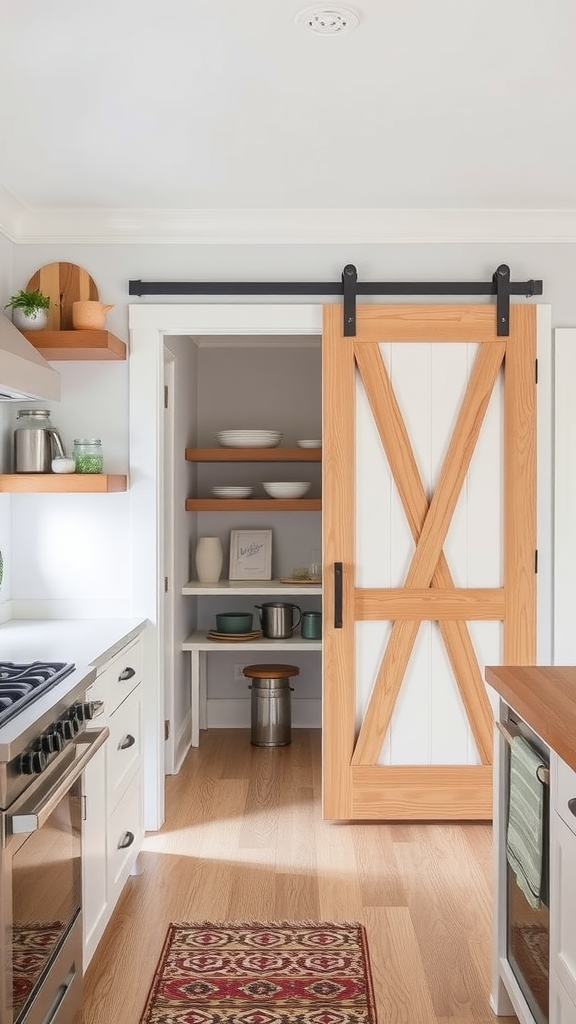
{"points": [[24, 373]]}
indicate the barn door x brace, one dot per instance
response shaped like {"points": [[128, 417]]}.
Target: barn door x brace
{"points": [[350, 287]]}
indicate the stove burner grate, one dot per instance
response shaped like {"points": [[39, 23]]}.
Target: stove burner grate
{"points": [[22, 684]]}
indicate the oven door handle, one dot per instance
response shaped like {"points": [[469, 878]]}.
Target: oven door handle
{"points": [[30, 820]]}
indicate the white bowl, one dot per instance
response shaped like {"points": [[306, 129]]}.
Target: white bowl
{"points": [[287, 489], [232, 492], [249, 438], [310, 444]]}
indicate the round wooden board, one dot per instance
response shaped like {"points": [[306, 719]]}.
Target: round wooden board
{"points": [[63, 283]]}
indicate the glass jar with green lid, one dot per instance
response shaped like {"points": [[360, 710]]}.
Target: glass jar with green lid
{"points": [[88, 455]]}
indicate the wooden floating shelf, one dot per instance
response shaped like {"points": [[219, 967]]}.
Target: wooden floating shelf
{"points": [[77, 344], [254, 454], [253, 504], [62, 483]]}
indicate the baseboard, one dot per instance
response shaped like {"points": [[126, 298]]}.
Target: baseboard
{"points": [[182, 743], [235, 714]]}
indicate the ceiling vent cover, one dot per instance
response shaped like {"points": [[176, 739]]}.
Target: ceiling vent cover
{"points": [[327, 21]]}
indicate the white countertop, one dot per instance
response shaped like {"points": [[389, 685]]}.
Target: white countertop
{"points": [[82, 641]]}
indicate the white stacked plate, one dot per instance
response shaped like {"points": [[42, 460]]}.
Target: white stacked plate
{"points": [[287, 489], [249, 438], [307, 443], [232, 492]]}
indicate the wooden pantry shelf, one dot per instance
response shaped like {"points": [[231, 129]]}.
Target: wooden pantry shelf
{"points": [[253, 504], [242, 588], [77, 344], [254, 454], [62, 483]]}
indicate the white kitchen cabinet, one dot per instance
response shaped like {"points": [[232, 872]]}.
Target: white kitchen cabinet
{"points": [[113, 826], [563, 888], [562, 1008], [511, 994]]}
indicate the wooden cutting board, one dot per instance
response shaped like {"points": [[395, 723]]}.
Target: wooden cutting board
{"points": [[63, 283]]}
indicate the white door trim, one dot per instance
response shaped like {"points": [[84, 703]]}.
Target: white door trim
{"points": [[148, 323]]}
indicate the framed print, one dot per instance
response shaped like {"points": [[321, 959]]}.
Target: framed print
{"points": [[250, 555]]}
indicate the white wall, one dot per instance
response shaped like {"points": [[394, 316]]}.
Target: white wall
{"points": [[6, 290], [112, 266], [70, 552]]}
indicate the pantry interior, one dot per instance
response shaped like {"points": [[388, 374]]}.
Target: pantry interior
{"points": [[213, 383]]}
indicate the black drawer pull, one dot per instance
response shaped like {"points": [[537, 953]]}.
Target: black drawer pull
{"points": [[572, 806], [126, 840], [126, 673], [337, 595], [127, 741]]}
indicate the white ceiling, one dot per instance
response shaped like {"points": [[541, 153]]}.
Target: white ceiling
{"points": [[135, 114]]}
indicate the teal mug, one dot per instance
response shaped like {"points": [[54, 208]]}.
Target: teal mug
{"points": [[311, 628]]}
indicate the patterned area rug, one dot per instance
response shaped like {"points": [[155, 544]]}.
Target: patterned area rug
{"points": [[281, 973], [32, 947], [530, 949]]}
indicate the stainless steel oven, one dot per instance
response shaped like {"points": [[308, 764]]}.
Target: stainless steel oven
{"points": [[43, 752]]}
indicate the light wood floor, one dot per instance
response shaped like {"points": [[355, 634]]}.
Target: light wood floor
{"points": [[244, 840]]}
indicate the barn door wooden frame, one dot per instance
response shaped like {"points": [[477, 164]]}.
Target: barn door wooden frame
{"points": [[355, 785]]}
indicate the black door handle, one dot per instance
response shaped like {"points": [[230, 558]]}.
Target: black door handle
{"points": [[126, 673], [337, 595], [127, 741], [126, 840]]}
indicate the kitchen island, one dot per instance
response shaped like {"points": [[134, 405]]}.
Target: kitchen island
{"points": [[539, 704]]}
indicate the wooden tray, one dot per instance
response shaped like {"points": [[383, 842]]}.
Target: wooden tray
{"points": [[63, 283], [300, 579]]}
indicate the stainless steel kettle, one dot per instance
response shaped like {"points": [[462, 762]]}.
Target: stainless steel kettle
{"points": [[36, 442], [277, 619]]}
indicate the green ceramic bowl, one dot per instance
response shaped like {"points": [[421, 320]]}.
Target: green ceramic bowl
{"points": [[234, 622]]}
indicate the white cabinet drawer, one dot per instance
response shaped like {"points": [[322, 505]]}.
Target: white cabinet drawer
{"points": [[563, 903], [125, 833], [119, 677], [565, 793], [124, 746], [562, 1009]]}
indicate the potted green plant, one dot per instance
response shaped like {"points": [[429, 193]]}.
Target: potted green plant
{"points": [[29, 310]]}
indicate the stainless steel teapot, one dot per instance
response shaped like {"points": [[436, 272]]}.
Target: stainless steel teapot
{"points": [[277, 619]]}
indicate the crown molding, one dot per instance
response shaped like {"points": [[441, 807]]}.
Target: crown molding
{"points": [[24, 226], [11, 211]]}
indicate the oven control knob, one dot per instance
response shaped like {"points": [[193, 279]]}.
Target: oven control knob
{"points": [[51, 742], [67, 728], [32, 762], [84, 712]]}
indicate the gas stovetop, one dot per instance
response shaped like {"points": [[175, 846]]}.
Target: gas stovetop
{"points": [[41, 712], [22, 684]]}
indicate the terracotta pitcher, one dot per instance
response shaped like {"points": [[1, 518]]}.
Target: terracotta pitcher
{"points": [[89, 315]]}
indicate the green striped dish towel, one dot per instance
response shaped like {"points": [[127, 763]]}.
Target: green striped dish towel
{"points": [[525, 838]]}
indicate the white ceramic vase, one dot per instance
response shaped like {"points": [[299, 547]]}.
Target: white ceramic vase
{"points": [[208, 559]]}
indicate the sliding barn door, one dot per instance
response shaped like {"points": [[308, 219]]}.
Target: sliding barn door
{"points": [[429, 522]]}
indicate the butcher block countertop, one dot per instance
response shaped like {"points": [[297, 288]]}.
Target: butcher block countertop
{"points": [[545, 698]]}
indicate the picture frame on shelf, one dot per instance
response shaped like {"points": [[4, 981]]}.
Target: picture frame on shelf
{"points": [[250, 555]]}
